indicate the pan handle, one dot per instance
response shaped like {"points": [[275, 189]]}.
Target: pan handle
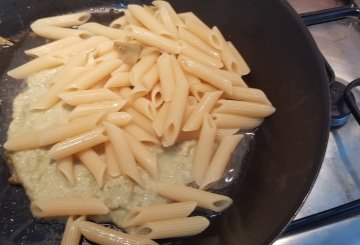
{"points": [[317, 17], [350, 101]]}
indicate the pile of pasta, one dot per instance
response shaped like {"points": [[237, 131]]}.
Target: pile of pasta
{"points": [[152, 77]]}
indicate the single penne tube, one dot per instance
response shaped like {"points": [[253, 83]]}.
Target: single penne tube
{"points": [[198, 90], [93, 162], [243, 65], [222, 132], [66, 20], [166, 19], [236, 121], [102, 30], [156, 95], [204, 106], [123, 152], [204, 33], [152, 39], [141, 104], [33, 66], [119, 22], [76, 98], [120, 118], [104, 48], [191, 105], [140, 134], [72, 234], [220, 160], [177, 227], [193, 81], [177, 107], [103, 235], [191, 16], [54, 32], [159, 121], [108, 56], [149, 51], [204, 149], [50, 98], [146, 158], [206, 73], [204, 199], [112, 165], [65, 167], [198, 55], [150, 78], [149, 21], [196, 42], [118, 80], [174, 16], [67, 206], [52, 46], [141, 215], [99, 72], [123, 68], [166, 76], [104, 106], [130, 19], [141, 68], [234, 77], [23, 142], [243, 108], [84, 46], [248, 94], [77, 143], [140, 119]]}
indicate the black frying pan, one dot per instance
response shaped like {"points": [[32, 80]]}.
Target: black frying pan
{"points": [[284, 157]]}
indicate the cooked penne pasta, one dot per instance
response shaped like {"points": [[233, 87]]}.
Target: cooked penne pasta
{"points": [[104, 48], [66, 169], [204, 106], [177, 227], [103, 235], [140, 134], [191, 16], [206, 73], [204, 199], [157, 98], [76, 98], [191, 104], [204, 33], [220, 160], [141, 215], [243, 65], [149, 21], [201, 57], [204, 149], [234, 77], [54, 32], [102, 30], [177, 106], [108, 56], [118, 80], [140, 119], [72, 234], [166, 19], [159, 121], [94, 164], [152, 39], [67, 20], [131, 19], [149, 51], [174, 16], [222, 132], [119, 22], [196, 42], [166, 76], [23, 142], [67, 206], [248, 94], [141, 68], [123, 152], [120, 118], [77, 143], [244, 108], [141, 104], [199, 90], [52, 46], [112, 165], [236, 121], [145, 157], [100, 71], [35, 65], [150, 78], [104, 106]]}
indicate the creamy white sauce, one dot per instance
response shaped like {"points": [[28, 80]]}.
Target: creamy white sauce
{"points": [[41, 179]]}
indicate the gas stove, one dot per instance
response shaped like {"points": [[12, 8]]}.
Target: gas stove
{"points": [[331, 213]]}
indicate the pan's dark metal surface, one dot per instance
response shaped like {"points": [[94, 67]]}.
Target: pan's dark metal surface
{"points": [[286, 153]]}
